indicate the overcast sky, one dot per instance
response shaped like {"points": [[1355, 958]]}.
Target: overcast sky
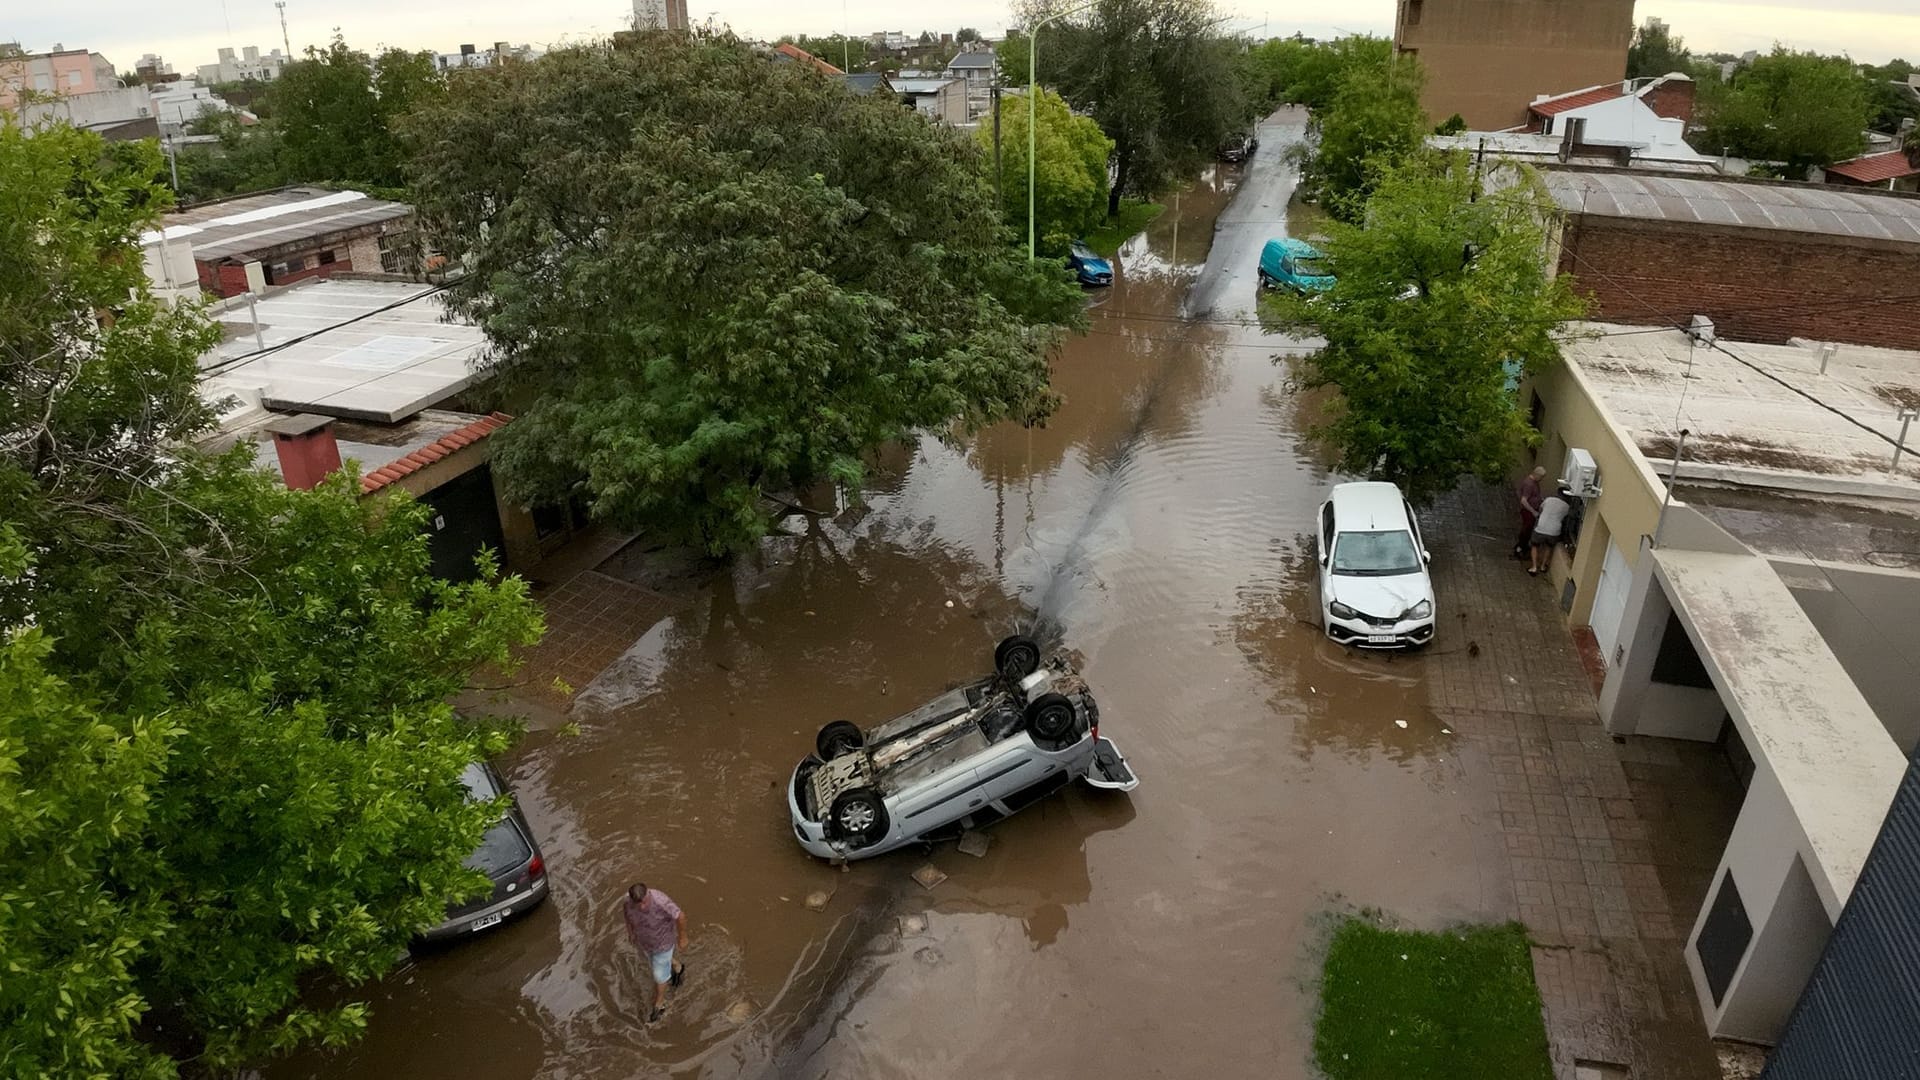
{"points": [[186, 32]]}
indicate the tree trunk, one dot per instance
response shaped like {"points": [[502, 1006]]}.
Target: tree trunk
{"points": [[1123, 160]]}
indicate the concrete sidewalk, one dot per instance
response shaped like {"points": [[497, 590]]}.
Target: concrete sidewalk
{"points": [[1610, 843]]}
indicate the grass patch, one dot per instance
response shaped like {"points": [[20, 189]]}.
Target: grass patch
{"points": [[1134, 215], [1405, 1005]]}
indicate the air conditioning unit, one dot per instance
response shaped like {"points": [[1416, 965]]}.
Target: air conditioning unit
{"points": [[1579, 475]]}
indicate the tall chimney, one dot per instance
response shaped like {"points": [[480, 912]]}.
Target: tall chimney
{"points": [[307, 449]]}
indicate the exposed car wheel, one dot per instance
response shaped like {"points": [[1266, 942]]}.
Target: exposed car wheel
{"points": [[1265, 281], [1017, 657], [837, 738], [1050, 718], [858, 817]]}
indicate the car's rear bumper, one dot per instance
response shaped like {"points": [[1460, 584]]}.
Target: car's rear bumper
{"points": [[483, 918]]}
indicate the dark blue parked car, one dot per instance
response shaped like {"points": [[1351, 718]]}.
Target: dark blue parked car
{"points": [[1087, 267]]}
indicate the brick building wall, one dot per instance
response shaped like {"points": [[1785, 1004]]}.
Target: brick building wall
{"points": [[1756, 285]]}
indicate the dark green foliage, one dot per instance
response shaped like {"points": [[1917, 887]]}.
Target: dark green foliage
{"points": [[1409, 1005], [1799, 109], [228, 769], [1435, 294], [328, 119], [713, 277], [1889, 97], [1373, 125], [1162, 81], [1656, 51], [1452, 125]]}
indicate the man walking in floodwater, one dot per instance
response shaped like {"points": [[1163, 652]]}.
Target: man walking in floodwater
{"points": [[1529, 495], [657, 927]]}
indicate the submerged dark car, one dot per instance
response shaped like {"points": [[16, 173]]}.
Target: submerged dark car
{"points": [[1087, 266], [1238, 147], [508, 855]]}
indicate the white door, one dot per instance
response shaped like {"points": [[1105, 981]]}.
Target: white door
{"points": [[1610, 600]]}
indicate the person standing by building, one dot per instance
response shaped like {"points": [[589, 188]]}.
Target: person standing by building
{"points": [[657, 927], [1528, 493], [1547, 529]]}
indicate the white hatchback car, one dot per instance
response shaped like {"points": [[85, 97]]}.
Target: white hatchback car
{"points": [[1374, 588]]}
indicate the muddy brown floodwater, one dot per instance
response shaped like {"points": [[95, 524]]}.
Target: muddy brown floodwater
{"points": [[1158, 527]]}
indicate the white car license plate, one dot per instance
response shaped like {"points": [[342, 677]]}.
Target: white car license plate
{"points": [[490, 920], [1381, 639]]}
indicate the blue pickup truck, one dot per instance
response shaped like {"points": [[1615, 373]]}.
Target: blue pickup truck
{"points": [[1287, 263]]}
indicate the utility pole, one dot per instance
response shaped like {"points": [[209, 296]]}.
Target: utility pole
{"points": [[173, 162], [284, 39]]}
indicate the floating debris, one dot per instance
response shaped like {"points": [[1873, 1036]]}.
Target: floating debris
{"points": [[817, 899], [974, 843], [928, 876]]}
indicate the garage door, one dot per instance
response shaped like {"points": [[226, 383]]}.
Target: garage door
{"points": [[1610, 600]]}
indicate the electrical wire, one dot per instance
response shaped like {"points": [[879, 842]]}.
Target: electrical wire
{"points": [[232, 362]]}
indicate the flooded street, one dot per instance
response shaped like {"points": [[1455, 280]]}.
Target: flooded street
{"points": [[1159, 527]]}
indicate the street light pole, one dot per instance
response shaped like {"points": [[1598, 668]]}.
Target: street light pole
{"points": [[1033, 109]]}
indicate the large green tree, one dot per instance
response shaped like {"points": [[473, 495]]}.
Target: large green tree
{"points": [[1158, 76], [1436, 295], [1656, 51], [1070, 169], [1374, 124], [228, 769], [710, 277], [1319, 70], [1799, 109], [1890, 99], [337, 109]]}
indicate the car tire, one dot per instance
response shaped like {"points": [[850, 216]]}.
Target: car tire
{"points": [[1016, 657], [1051, 719], [859, 818], [838, 738], [1265, 281]]}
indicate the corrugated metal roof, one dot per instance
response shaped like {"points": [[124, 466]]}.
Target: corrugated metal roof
{"points": [[1787, 207], [258, 222], [1874, 168]]}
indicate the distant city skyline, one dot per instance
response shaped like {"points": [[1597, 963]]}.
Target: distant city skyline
{"points": [[1870, 31]]}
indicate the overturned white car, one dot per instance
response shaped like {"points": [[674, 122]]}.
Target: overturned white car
{"points": [[968, 758]]}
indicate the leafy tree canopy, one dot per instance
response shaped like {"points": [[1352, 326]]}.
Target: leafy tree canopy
{"points": [[967, 35], [712, 277], [1070, 173], [1435, 294], [336, 112], [1373, 125], [227, 765], [1319, 69], [1656, 51], [1800, 109], [1157, 75]]}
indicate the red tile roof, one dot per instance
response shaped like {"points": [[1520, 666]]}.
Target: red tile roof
{"points": [[795, 52], [1891, 165], [1554, 106], [432, 452]]}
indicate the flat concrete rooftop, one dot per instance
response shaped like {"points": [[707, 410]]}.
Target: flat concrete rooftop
{"points": [[1761, 416], [400, 357], [1798, 708]]}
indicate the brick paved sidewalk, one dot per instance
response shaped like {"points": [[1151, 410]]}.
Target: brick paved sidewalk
{"points": [[1610, 844]]}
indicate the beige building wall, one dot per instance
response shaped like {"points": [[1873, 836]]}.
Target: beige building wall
{"points": [[1487, 59], [1630, 492]]}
